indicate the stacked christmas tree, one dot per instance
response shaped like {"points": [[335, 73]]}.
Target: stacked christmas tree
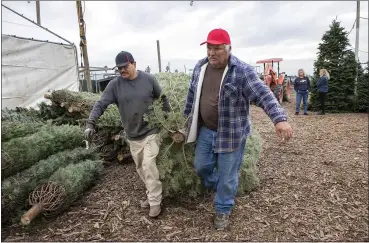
{"points": [[38, 143], [30, 157]]}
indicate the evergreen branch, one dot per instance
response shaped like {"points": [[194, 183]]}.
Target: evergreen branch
{"points": [[161, 123], [184, 156]]}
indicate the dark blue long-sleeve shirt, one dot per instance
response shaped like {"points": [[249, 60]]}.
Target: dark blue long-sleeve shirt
{"points": [[302, 84]]}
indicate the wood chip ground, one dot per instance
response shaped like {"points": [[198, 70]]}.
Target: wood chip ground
{"points": [[313, 188]]}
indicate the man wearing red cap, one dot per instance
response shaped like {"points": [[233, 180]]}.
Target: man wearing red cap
{"points": [[217, 106]]}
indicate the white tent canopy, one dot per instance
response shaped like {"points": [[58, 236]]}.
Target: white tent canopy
{"points": [[30, 68]]}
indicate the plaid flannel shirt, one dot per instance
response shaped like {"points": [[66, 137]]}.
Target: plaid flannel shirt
{"points": [[241, 85]]}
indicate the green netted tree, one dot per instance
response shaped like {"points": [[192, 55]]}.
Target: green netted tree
{"points": [[335, 55], [16, 129], [63, 187], [15, 189], [21, 153], [362, 104], [20, 114]]}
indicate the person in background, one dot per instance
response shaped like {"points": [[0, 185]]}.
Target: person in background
{"points": [[301, 86], [133, 91], [148, 69], [217, 108], [322, 85]]}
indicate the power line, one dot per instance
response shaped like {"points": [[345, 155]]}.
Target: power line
{"points": [[353, 25], [363, 18], [363, 51], [21, 15], [9, 22]]}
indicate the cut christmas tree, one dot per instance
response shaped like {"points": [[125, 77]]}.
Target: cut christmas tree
{"points": [[15, 189], [78, 104], [248, 179], [16, 129], [175, 159], [63, 188], [21, 153], [73, 108], [20, 115]]}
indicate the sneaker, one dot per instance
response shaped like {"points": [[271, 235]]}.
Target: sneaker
{"points": [[296, 113], [155, 210], [221, 221], [305, 114], [145, 204]]}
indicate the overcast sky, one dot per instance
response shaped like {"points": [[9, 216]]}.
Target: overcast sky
{"points": [[258, 30]]}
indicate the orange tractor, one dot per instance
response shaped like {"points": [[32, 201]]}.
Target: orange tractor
{"points": [[279, 84]]}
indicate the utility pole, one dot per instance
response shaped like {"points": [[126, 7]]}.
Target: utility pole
{"points": [[357, 41], [38, 12], [159, 58], [83, 45]]}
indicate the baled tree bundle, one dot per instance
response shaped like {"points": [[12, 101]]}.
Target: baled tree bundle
{"points": [[15, 189], [110, 119], [175, 159], [21, 153], [57, 114], [43, 113], [248, 179], [63, 188], [78, 104], [108, 126], [16, 129], [20, 114]]}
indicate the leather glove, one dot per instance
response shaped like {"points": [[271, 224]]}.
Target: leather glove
{"points": [[89, 132]]}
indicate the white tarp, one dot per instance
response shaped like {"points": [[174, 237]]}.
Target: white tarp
{"points": [[31, 68]]}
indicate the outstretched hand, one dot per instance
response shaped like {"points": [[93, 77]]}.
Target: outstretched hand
{"points": [[284, 130]]}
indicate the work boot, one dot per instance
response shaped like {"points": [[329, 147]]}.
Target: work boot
{"points": [[155, 210], [145, 204], [221, 221]]}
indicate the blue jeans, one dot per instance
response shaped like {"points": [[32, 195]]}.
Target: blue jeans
{"points": [[304, 96], [224, 179]]}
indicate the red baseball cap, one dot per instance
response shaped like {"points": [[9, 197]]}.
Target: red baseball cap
{"points": [[217, 37]]}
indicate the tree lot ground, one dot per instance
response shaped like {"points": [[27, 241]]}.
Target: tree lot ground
{"points": [[313, 188]]}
